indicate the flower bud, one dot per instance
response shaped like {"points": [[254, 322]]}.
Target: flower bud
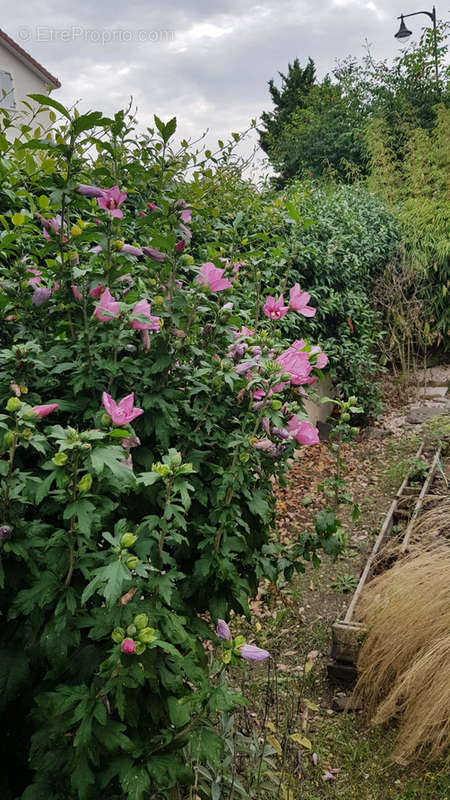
{"points": [[147, 635], [105, 420], [14, 404], [29, 415], [141, 621], [72, 434], [354, 431], [346, 417], [161, 469], [176, 460], [187, 260], [140, 648], [86, 447], [60, 459], [5, 532], [8, 438], [132, 562], [75, 230], [128, 539], [74, 259], [353, 400], [276, 405], [128, 647], [27, 434], [131, 630], [118, 635], [85, 483]]}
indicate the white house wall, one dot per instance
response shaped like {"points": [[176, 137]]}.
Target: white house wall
{"points": [[25, 82]]}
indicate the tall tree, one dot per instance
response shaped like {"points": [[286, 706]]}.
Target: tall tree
{"points": [[293, 95]]}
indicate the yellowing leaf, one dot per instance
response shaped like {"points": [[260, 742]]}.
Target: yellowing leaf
{"points": [[308, 667], [301, 740], [288, 794], [270, 726], [275, 744], [311, 706], [18, 219]]}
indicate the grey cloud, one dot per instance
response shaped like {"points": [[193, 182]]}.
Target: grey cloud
{"points": [[215, 72]]}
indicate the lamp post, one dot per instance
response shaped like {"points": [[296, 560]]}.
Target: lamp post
{"points": [[403, 33]]}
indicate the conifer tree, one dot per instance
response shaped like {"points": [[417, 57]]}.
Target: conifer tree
{"points": [[293, 95]]}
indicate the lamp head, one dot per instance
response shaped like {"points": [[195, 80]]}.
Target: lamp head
{"points": [[403, 31]]}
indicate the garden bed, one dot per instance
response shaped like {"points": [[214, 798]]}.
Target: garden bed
{"points": [[421, 489]]}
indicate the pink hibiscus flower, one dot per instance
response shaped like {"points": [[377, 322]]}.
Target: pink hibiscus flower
{"points": [[275, 309], [110, 201], [122, 412], [298, 301], [212, 276]]}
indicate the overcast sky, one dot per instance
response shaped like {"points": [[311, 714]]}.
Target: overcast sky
{"points": [[205, 62]]}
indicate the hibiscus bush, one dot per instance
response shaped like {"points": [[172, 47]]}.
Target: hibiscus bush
{"points": [[148, 401], [334, 240]]}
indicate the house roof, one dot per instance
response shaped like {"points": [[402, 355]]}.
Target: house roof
{"points": [[30, 62]]}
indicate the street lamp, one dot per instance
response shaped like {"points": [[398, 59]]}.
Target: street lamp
{"points": [[403, 33]]}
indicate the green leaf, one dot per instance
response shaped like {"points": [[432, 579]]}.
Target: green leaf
{"points": [[82, 777], [14, 673], [166, 130], [44, 100], [135, 782], [166, 770], [111, 457], [148, 478], [159, 124], [301, 740], [44, 488], [179, 712], [87, 121], [293, 212], [83, 510], [325, 522], [39, 144], [258, 504], [109, 582], [170, 128], [169, 648]]}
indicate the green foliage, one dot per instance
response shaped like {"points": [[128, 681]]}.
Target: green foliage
{"points": [[334, 241], [339, 257], [293, 95], [319, 127], [345, 583], [326, 137], [415, 182]]}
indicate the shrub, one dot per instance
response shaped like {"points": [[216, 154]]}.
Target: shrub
{"points": [[139, 444]]}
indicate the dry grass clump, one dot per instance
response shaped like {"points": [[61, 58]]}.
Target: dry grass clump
{"points": [[433, 525], [404, 664]]}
